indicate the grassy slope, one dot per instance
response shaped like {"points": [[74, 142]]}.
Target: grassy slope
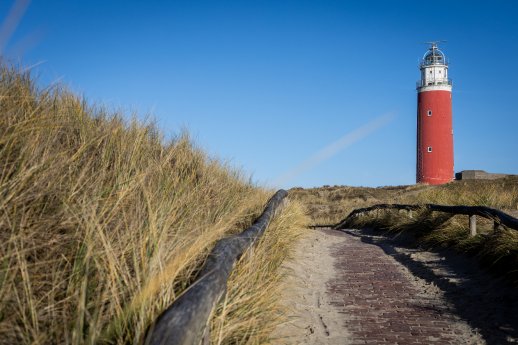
{"points": [[102, 224], [329, 205]]}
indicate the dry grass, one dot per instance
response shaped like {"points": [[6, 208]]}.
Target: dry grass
{"points": [[499, 251], [329, 205], [103, 223], [253, 285], [501, 194]]}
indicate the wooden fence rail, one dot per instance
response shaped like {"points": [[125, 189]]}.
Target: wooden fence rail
{"points": [[498, 217], [186, 321]]}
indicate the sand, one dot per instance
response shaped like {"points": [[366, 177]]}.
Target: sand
{"points": [[311, 319]]}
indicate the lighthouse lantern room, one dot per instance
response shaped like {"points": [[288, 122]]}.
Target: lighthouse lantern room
{"points": [[434, 120]]}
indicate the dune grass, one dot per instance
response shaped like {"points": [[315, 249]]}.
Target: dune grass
{"points": [[498, 251], [500, 193], [103, 223], [330, 204], [253, 285]]}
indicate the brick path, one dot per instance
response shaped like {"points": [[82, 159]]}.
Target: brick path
{"points": [[381, 303]]}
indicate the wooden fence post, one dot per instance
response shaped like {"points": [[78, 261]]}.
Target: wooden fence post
{"points": [[473, 225]]}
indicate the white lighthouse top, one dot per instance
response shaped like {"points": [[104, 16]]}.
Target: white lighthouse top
{"points": [[434, 70], [434, 56]]}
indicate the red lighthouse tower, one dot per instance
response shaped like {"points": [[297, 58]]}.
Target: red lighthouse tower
{"points": [[434, 120]]}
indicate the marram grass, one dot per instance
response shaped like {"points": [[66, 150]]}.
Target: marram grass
{"points": [[499, 251], [103, 224], [496, 250]]}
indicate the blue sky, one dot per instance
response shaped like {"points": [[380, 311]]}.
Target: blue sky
{"points": [[267, 85]]}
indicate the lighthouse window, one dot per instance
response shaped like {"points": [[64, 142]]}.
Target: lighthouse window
{"points": [[429, 149], [429, 113]]}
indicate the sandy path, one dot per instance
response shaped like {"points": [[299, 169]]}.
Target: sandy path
{"points": [[312, 318], [360, 288]]}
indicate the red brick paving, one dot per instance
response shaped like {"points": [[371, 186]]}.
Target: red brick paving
{"points": [[380, 303]]}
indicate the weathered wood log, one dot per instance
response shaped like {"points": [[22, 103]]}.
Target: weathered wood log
{"points": [[185, 321], [490, 213], [319, 226]]}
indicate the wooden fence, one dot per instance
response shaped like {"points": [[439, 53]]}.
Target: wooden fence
{"points": [[498, 217], [186, 321]]}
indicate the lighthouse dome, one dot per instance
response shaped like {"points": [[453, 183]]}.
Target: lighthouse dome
{"points": [[434, 57]]}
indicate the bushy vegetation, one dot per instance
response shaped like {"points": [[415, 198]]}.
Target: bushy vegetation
{"points": [[103, 224]]}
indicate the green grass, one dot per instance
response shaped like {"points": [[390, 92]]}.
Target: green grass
{"points": [[103, 223]]}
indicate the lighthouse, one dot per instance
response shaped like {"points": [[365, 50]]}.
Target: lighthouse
{"points": [[434, 120]]}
